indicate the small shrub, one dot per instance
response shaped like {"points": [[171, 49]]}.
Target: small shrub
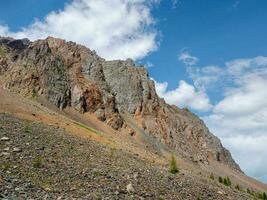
{"points": [[237, 187], [211, 176], [262, 195], [37, 162], [220, 179], [173, 166], [34, 94], [227, 181], [249, 192]]}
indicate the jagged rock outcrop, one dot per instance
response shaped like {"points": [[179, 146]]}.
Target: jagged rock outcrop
{"points": [[72, 75]]}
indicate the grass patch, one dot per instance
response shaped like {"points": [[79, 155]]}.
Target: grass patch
{"points": [[87, 128], [227, 181], [37, 162], [173, 166], [27, 127], [212, 176], [34, 93], [3, 51], [6, 166]]}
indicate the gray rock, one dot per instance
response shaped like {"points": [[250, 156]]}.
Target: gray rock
{"points": [[4, 139], [6, 149], [16, 150], [130, 188]]}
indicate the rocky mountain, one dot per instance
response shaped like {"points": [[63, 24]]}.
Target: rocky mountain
{"points": [[71, 75]]}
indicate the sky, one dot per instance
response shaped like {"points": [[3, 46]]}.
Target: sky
{"points": [[209, 56]]}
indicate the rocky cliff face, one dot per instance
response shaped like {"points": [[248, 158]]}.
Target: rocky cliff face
{"points": [[68, 74]]}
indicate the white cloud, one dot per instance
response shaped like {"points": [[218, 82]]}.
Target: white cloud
{"points": [[149, 65], [240, 118], [116, 29], [185, 95], [250, 153], [205, 77], [187, 58], [248, 97], [240, 67]]}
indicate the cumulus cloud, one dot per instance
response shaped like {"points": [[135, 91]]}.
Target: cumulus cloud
{"points": [[250, 148], [185, 95], [116, 29], [205, 77], [240, 117], [187, 58]]}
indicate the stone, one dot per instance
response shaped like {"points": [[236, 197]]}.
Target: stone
{"points": [[100, 114], [16, 150], [135, 176], [5, 154], [130, 188], [4, 139], [6, 149], [220, 192]]}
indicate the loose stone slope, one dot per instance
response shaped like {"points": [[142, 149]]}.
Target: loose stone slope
{"points": [[42, 162]]}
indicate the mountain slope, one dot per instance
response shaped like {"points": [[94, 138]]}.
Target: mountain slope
{"points": [[58, 165], [70, 75], [113, 105]]}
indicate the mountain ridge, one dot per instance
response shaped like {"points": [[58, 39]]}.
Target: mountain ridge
{"points": [[71, 75]]}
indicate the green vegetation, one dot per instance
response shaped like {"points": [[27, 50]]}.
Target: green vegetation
{"points": [[27, 128], [37, 162], [249, 192], [211, 176], [3, 51], [227, 181], [88, 128], [5, 166], [237, 187], [34, 93], [257, 195], [262, 195], [173, 166]]}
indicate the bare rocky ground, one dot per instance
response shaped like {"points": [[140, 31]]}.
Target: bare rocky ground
{"points": [[38, 161]]}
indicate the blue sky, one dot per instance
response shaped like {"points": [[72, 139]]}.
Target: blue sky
{"points": [[209, 56]]}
